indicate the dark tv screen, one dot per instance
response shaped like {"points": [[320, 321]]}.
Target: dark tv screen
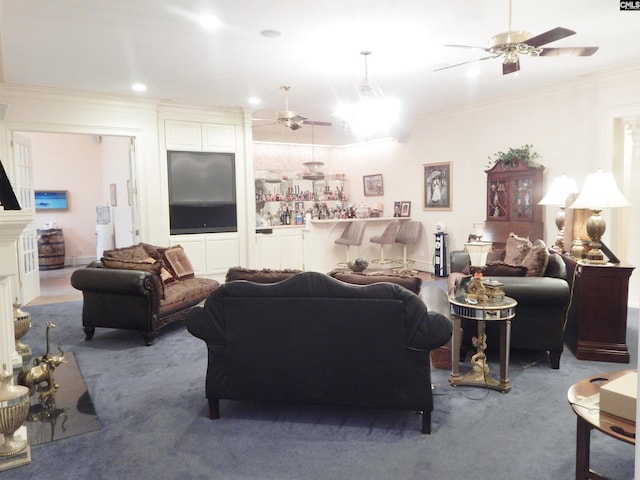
{"points": [[201, 178], [202, 192]]}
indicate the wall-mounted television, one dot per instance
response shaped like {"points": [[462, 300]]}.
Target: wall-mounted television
{"points": [[51, 200], [202, 192]]}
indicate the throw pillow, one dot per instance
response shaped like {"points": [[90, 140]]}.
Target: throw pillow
{"points": [[410, 283], [151, 266], [500, 269], [177, 262], [259, 276], [134, 253], [516, 249], [536, 261]]}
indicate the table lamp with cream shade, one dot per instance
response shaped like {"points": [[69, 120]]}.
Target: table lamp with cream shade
{"points": [[561, 188], [600, 191]]}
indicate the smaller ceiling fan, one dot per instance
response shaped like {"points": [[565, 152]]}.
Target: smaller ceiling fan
{"points": [[291, 119], [511, 44]]}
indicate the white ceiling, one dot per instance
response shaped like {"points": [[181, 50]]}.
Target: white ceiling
{"points": [[107, 45]]}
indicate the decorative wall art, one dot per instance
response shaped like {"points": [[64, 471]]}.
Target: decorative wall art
{"points": [[373, 185], [437, 186], [405, 209]]}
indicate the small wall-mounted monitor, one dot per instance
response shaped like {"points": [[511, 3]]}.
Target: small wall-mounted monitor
{"points": [[51, 200]]}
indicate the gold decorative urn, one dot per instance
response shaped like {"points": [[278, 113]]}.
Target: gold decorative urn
{"points": [[14, 408], [21, 325]]}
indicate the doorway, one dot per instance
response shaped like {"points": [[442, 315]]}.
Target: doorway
{"points": [[94, 171]]}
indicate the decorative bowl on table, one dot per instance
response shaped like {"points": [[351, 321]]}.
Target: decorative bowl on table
{"points": [[358, 265]]}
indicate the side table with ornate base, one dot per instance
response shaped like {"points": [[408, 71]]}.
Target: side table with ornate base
{"points": [[502, 310]]}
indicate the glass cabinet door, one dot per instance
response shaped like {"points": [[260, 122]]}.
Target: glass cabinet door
{"points": [[522, 198], [497, 199]]}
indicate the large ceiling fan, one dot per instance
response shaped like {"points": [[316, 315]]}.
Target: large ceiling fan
{"points": [[291, 119], [511, 44]]}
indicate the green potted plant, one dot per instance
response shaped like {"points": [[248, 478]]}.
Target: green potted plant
{"points": [[513, 156]]}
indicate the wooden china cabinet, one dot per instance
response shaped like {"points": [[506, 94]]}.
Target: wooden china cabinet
{"points": [[513, 192]]}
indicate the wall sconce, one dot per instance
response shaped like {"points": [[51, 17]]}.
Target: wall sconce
{"points": [[561, 188], [600, 191]]}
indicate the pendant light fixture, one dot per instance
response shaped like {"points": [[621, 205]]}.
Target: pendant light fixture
{"points": [[374, 113]]}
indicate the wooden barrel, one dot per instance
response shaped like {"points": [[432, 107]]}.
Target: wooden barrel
{"points": [[50, 249]]}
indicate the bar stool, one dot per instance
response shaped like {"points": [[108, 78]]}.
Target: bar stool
{"points": [[351, 235], [388, 237], [408, 234]]}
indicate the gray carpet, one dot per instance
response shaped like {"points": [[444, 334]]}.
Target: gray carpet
{"points": [[151, 404]]}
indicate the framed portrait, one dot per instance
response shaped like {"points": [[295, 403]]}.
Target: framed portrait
{"points": [[437, 186], [397, 208], [373, 185], [405, 209]]}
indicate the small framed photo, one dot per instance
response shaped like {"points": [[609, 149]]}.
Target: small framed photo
{"points": [[437, 186], [405, 209], [397, 208], [299, 206], [373, 185]]}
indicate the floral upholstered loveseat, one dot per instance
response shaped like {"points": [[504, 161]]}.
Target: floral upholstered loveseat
{"points": [[141, 288]]}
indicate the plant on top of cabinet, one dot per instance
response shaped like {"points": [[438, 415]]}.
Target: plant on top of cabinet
{"points": [[512, 157]]}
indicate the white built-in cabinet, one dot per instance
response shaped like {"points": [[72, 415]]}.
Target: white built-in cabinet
{"points": [[211, 254], [280, 248], [199, 137]]}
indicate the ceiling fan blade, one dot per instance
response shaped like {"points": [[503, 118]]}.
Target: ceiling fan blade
{"points": [[511, 67], [550, 36], [321, 124], [467, 46], [464, 63], [568, 52]]}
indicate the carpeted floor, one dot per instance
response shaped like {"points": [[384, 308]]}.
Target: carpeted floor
{"points": [[151, 404]]}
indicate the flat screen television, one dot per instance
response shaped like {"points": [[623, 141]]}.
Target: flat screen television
{"points": [[202, 192], [51, 200]]}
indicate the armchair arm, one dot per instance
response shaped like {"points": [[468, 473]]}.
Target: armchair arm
{"points": [[115, 281]]}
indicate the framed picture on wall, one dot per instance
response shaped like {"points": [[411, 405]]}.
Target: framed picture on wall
{"points": [[373, 185], [405, 209], [437, 186]]}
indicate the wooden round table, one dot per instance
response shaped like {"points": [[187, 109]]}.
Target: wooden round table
{"points": [[584, 398]]}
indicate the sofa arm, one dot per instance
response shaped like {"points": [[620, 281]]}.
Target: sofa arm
{"points": [[114, 281]]}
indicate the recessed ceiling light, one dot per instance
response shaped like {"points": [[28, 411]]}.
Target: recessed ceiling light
{"points": [[209, 21], [139, 87], [270, 33], [255, 101]]}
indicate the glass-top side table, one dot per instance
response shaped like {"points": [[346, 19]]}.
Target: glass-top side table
{"points": [[502, 310]]}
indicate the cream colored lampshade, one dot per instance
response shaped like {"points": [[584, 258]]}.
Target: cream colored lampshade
{"points": [[561, 188], [600, 191], [478, 252]]}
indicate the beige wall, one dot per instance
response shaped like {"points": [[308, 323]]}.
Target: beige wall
{"points": [[72, 163]]}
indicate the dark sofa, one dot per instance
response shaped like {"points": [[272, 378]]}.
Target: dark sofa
{"points": [[542, 305], [133, 294], [313, 339]]}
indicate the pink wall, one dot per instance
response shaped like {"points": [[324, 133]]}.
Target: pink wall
{"points": [[72, 163]]}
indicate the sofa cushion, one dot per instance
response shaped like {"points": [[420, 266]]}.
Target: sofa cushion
{"points": [[189, 291], [178, 263], [259, 276], [516, 249], [536, 261], [501, 269], [410, 283]]}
